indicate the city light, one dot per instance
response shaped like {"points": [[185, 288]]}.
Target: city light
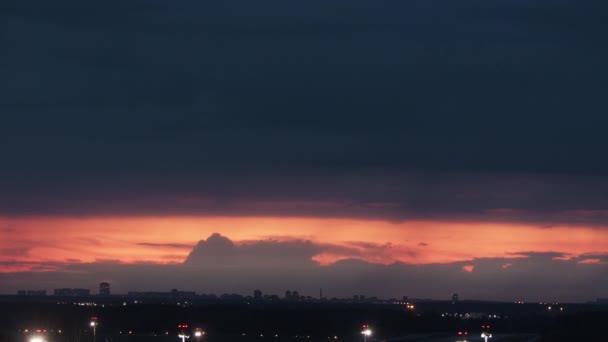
{"points": [[182, 334], [37, 339], [94, 325], [366, 332]]}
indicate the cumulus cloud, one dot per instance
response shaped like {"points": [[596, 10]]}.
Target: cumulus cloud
{"points": [[219, 251]]}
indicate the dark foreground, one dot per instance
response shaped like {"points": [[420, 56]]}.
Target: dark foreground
{"points": [[301, 322]]}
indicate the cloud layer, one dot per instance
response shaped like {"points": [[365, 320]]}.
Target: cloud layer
{"points": [[349, 108], [218, 265]]}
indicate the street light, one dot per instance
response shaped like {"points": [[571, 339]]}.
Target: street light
{"points": [[198, 333], [366, 332], [485, 332], [182, 333], [93, 324]]}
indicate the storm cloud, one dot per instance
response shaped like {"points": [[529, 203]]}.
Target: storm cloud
{"points": [[115, 107]]}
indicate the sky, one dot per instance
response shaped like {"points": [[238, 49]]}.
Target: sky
{"points": [[387, 148]]}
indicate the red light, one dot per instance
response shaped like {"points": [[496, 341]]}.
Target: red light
{"points": [[466, 332], [460, 333]]}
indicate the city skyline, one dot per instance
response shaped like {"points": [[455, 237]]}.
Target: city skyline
{"points": [[413, 148]]}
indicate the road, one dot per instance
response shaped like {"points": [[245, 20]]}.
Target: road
{"points": [[452, 338]]}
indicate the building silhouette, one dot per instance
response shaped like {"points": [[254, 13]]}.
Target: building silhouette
{"points": [[173, 294], [257, 294], [30, 293], [104, 289], [292, 295], [454, 298], [68, 292]]}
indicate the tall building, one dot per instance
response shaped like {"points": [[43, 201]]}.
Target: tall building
{"points": [[454, 298], [257, 294], [104, 289]]}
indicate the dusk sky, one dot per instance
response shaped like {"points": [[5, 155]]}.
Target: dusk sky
{"points": [[387, 148]]}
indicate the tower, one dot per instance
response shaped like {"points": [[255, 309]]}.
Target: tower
{"points": [[104, 289]]}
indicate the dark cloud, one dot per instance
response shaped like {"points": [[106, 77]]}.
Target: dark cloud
{"points": [[166, 245], [218, 251], [594, 257], [122, 108], [14, 252], [543, 200], [542, 255], [369, 245], [108, 261]]}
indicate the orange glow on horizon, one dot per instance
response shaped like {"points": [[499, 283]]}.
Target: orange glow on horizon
{"points": [[468, 268], [170, 239]]}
